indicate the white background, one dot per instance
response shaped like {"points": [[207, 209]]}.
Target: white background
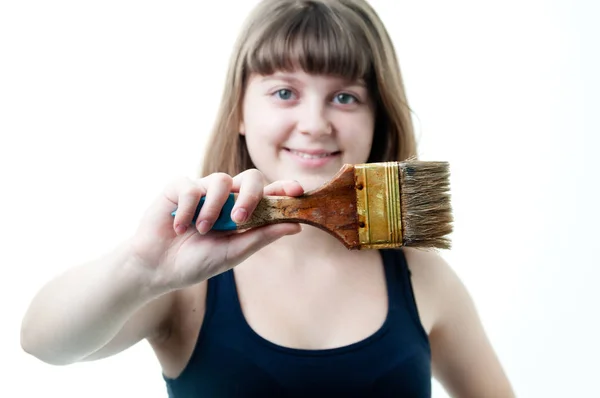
{"points": [[101, 103]]}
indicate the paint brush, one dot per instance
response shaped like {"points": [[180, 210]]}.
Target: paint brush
{"points": [[365, 206]]}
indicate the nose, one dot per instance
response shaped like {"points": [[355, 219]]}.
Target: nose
{"points": [[313, 119]]}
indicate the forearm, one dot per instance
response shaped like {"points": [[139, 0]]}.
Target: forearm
{"points": [[80, 311]]}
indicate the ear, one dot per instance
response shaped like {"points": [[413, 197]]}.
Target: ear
{"points": [[242, 128]]}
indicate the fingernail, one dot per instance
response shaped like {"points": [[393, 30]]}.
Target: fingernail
{"points": [[204, 227], [240, 215], [180, 229]]}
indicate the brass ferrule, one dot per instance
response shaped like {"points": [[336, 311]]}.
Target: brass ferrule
{"points": [[378, 205]]}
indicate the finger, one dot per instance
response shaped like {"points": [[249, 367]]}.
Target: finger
{"points": [[237, 180], [218, 189], [251, 185], [185, 194], [284, 188], [243, 245]]}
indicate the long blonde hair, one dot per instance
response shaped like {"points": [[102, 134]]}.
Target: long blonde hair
{"points": [[334, 37]]}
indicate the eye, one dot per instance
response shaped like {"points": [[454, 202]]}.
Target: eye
{"points": [[345, 99], [284, 94]]}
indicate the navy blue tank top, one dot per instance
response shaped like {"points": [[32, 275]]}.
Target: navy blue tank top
{"points": [[231, 360]]}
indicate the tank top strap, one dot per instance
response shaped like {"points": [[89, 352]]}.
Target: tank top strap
{"points": [[393, 277], [221, 297], [399, 285]]}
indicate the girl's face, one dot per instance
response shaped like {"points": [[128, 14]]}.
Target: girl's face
{"points": [[305, 127]]}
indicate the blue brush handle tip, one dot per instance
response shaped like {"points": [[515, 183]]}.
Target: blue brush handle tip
{"points": [[224, 221]]}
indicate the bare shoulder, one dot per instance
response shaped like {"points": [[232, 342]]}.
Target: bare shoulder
{"points": [[185, 306], [432, 281], [175, 345], [435, 280], [429, 268], [463, 359]]}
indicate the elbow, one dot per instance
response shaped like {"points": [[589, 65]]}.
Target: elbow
{"points": [[31, 345]]}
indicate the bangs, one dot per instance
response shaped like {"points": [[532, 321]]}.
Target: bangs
{"points": [[314, 39]]}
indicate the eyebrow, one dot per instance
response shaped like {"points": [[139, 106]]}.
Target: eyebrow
{"points": [[291, 79], [280, 76]]}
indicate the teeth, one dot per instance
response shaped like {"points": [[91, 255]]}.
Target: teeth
{"points": [[309, 156]]}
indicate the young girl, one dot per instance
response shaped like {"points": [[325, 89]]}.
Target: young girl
{"points": [[282, 310]]}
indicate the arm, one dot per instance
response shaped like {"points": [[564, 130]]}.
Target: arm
{"points": [[102, 307], [463, 359], [111, 302]]}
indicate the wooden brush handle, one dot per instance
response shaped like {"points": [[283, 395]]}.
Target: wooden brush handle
{"points": [[331, 208]]}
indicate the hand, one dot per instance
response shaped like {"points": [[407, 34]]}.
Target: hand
{"points": [[179, 253]]}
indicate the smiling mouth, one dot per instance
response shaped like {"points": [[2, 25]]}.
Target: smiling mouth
{"points": [[307, 155]]}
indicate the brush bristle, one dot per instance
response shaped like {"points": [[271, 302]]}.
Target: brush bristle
{"points": [[425, 201]]}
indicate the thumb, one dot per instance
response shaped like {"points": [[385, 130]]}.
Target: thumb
{"points": [[243, 245]]}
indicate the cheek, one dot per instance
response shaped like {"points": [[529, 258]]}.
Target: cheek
{"points": [[264, 125], [359, 135], [263, 136]]}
